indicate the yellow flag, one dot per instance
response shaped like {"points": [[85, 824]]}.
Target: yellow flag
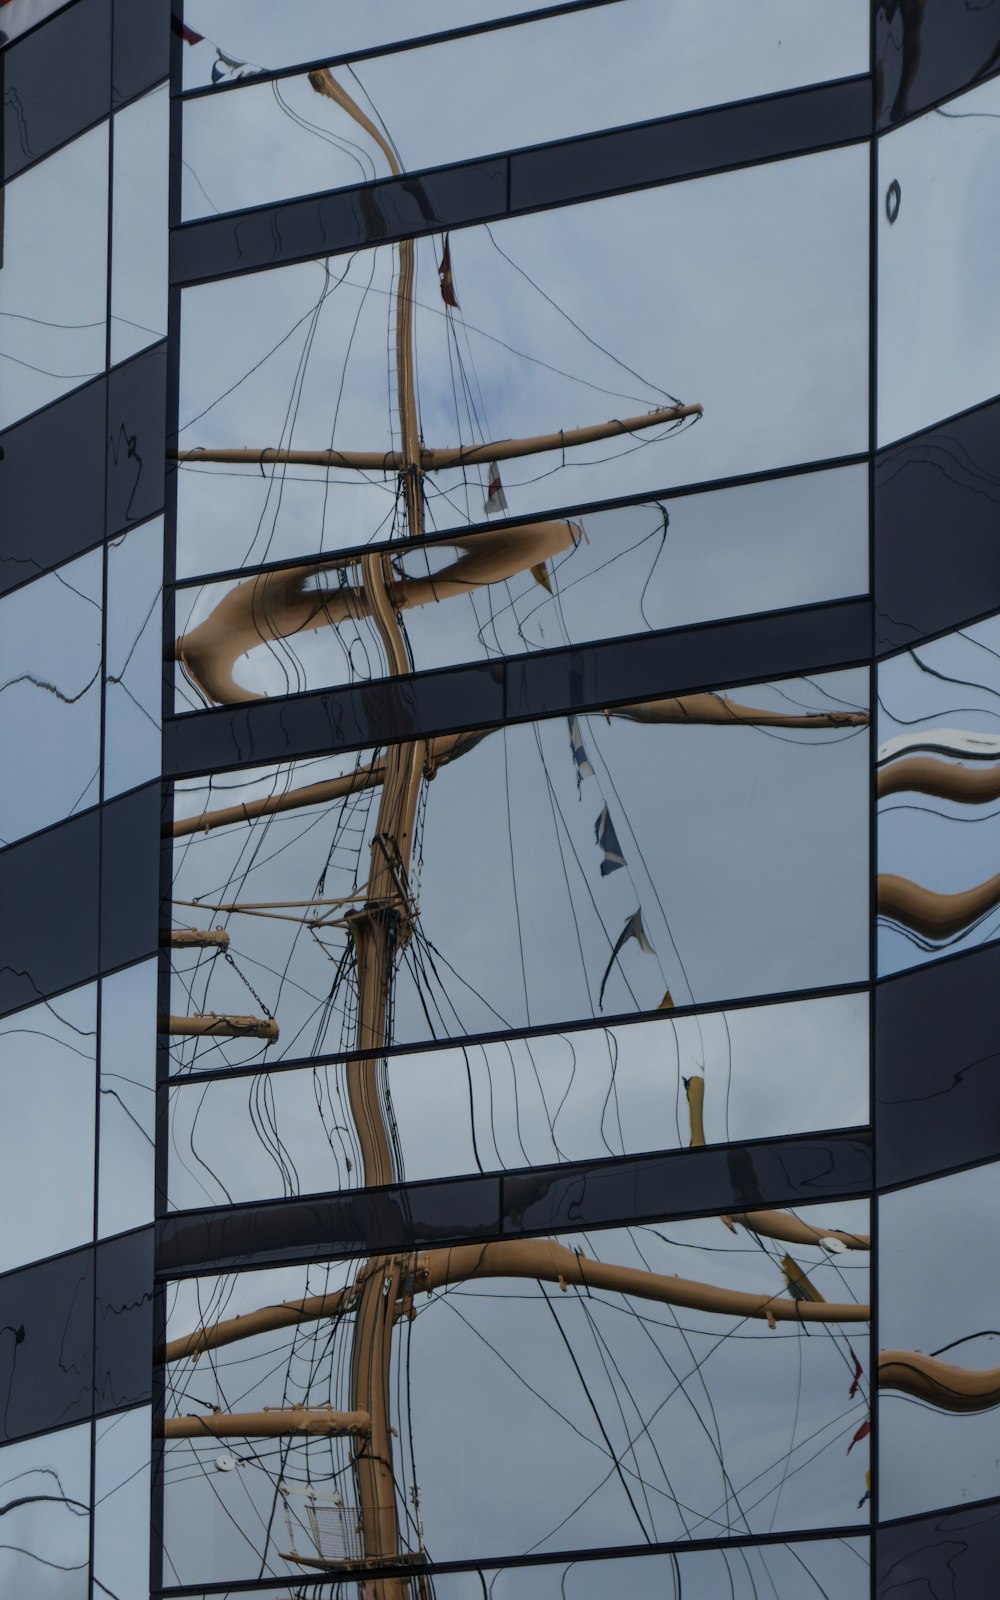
{"points": [[695, 1091], [541, 576], [799, 1286]]}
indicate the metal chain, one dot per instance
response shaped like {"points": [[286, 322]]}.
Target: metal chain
{"points": [[228, 955]]}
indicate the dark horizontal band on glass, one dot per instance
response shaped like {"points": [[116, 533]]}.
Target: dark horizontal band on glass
{"points": [[928, 53], [76, 1332], [668, 150], [937, 1067], [586, 508], [953, 1554], [542, 1200], [85, 467], [704, 656], [539, 1558], [86, 893], [944, 478], [547, 1030]]}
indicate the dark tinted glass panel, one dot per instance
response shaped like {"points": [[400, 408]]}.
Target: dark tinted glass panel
{"points": [[791, 541], [56, 83], [560, 680], [47, 1344], [451, 1213], [466, 698], [50, 708], [944, 478], [141, 51], [605, 909], [532, 1101], [34, 879], [691, 146], [613, 64], [136, 428], [47, 1516], [933, 220], [130, 889], [47, 1088], [511, 1353], [53, 299], [939, 778], [124, 1321], [544, 348], [937, 1093], [49, 515], [476, 1209], [950, 1557], [939, 1377], [928, 50]]}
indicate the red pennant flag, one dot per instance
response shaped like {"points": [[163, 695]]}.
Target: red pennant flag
{"points": [[447, 281], [187, 34], [862, 1433], [857, 1374]]}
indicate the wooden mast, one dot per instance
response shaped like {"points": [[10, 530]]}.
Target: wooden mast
{"points": [[379, 929]]}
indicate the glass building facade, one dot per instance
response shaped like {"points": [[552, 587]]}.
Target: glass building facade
{"points": [[499, 613]]}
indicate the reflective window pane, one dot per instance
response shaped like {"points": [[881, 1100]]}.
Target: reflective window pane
{"points": [[538, 348], [20, 15], [46, 1484], [47, 1093], [757, 1073], [133, 684], [937, 1326], [50, 703], [761, 546], [939, 778], [52, 298], [589, 1375], [139, 225], [604, 909], [547, 80], [121, 1503], [127, 1088], [935, 217]]}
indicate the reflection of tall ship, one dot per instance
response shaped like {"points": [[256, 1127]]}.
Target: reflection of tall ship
{"points": [[341, 1388]]}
